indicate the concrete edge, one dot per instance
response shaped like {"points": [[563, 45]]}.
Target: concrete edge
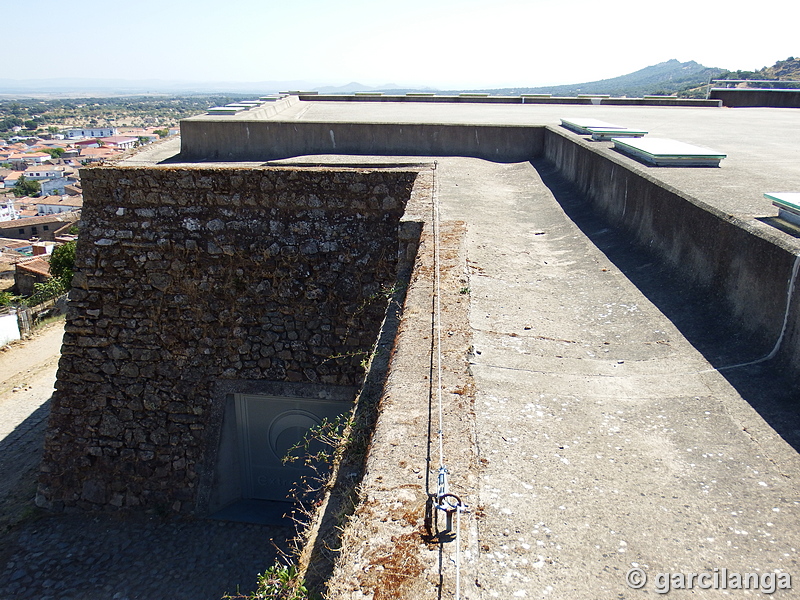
{"points": [[523, 99], [391, 542]]}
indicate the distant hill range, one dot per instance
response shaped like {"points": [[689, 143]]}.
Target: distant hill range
{"points": [[785, 70], [686, 79], [670, 77]]}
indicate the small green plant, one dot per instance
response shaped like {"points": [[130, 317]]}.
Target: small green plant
{"points": [[62, 262], [47, 290], [362, 353], [7, 299], [322, 443], [464, 291], [278, 582]]}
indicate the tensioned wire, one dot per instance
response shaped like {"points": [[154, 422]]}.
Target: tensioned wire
{"points": [[438, 327]]}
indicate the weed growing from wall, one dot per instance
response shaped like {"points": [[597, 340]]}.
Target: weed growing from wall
{"points": [[278, 582]]}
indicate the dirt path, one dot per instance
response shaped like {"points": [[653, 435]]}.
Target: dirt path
{"points": [[27, 376]]}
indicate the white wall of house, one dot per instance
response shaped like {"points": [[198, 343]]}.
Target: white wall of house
{"points": [[97, 132], [9, 328], [43, 172], [53, 187], [53, 209]]}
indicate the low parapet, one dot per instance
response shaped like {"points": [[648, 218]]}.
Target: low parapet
{"points": [[477, 97], [236, 139]]}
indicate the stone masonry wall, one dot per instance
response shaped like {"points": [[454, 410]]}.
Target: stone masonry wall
{"points": [[191, 276]]}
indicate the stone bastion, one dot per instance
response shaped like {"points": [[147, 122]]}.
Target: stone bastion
{"points": [[195, 284]]}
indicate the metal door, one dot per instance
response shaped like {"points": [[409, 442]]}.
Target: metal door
{"points": [[268, 427]]}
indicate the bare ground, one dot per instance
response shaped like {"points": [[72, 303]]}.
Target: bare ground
{"points": [[27, 376]]}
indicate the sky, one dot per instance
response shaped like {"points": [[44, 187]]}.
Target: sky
{"points": [[444, 44]]}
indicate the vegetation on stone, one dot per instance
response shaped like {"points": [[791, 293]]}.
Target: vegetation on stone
{"points": [[278, 582]]}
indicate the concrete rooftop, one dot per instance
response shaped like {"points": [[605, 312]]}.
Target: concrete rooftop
{"points": [[606, 436], [761, 143]]}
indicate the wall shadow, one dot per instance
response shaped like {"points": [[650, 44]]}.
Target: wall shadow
{"points": [[700, 314], [96, 556]]}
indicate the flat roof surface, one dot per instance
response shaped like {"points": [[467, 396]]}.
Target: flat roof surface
{"points": [[760, 143]]}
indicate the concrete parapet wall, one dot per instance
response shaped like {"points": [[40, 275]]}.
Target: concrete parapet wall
{"points": [[739, 97], [737, 260], [192, 280], [694, 102], [240, 140], [270, 109], [531, 99]]}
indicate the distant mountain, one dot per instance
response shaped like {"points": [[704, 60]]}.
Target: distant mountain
{"points": [[668, 77], [784, 70], [351, 88]]}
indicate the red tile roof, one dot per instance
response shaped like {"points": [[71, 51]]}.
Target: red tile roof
{"points": [[65, 218], [37, 266]]}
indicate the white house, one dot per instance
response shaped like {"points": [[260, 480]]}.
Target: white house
{"points": [[58, 204], [58, 185], [120, 141], [44, 172], [8, 210], [28, 158], [11, 180], [94, 132]]}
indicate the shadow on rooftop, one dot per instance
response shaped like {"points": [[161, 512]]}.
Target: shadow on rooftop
{"points": [[778, 223], [699, 314]]}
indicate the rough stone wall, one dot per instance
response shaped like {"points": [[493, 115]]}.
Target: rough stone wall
{"points": [[187, 277]]}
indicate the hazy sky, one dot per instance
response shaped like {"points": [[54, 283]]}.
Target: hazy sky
{"points": [[439, 43]]}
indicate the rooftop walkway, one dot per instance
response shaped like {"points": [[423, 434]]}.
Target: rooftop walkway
{"points": [[606, 438], [610, 442], [759, 142]]}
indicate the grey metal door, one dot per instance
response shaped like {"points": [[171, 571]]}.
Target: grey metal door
{"points": [[268, 426]]}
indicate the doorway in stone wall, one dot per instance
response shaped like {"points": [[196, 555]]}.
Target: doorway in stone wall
{"points": [[269, 428], [261, 485]]}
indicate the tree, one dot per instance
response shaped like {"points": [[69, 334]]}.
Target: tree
{"points": [[62, 263], [26, 187], [54, 152], [10, 122], [162, 133]]}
